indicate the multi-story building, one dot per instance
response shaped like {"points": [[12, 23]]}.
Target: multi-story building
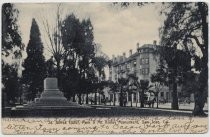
{"points": [[142, 63]]}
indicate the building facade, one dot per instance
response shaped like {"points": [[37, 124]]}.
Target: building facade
{"points": [[142, 63]]}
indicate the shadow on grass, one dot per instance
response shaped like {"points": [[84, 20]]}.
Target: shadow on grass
{"points": [[94, 112]]}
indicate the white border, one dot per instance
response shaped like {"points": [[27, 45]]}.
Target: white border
{"points": [[47, 1]]}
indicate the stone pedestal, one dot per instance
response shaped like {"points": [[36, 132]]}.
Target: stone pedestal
{"points": [[52, 96]]}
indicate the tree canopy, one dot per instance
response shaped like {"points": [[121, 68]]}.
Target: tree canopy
{"points": [[11, 51], [35, 67], [186, 28]]}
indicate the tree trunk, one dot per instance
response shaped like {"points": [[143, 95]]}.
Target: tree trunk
{"points": [[95, 101], [74, 99], [121, 97], [20, 100], [136, 99], [157, 98], [142, 99], [131, 100], [200, 95], [99, 98], [174, 103], [87, 98], [58, 74], [114, 99], [80, 99]]}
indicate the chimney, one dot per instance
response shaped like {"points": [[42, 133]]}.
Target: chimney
{"points": [[124, 56], [137, 46], [130, 52], [113, 58], [118, 58], [155, 42]]}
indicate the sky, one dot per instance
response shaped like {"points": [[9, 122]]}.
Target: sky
{"points": [[116, 29]]}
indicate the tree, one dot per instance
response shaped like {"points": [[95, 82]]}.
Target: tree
{"points": [[50, 68], [99, 64], [186, 26], [11, 51], [55, 45], [11, 39], [72, 47], [133, 85], [141, 86], [72, 40], [159, 79], [190, 83], [11, 84], [144, 86], [123, 87], [34, 64], [114, 88]]}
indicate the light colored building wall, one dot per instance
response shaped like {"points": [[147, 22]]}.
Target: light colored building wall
{"points": [[145, 58]]}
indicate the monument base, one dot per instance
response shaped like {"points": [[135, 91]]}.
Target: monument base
{"points": [[52, 98]]}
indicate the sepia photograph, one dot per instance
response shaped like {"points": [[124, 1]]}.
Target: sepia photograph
{"points": [[104, 67]]}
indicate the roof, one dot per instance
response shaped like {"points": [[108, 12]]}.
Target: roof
{"points": [[133, 56]]}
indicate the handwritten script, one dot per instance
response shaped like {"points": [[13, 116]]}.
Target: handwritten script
{"points": [[115, 125]]}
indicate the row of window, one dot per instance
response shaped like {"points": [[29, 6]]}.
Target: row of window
{"points": [[143, 61], [146, 50], [143, 71]]}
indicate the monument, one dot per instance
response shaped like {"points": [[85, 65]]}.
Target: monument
{"points": [[51, 103], [52, 97]]}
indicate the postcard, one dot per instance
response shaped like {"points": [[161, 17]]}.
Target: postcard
{"points": [[104, 68]]}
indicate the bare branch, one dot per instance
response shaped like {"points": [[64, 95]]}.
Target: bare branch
{"points": [[196, 39]]}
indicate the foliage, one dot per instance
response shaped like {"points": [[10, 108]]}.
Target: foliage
{"points": [[99, 63], [50, 68], [11, 83], [190, 83], [144, 86], [160, 78], [141, 86], [35, 69], [11, 51], [11, 39], [123, 87], [128, 4], [186, 27]]}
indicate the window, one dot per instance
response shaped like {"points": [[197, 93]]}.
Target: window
{"points": [[161, 94], [147, 61], [144, 61], [134, 97], [145, 71], [134, 63], [128, 66], [132, 69]]}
